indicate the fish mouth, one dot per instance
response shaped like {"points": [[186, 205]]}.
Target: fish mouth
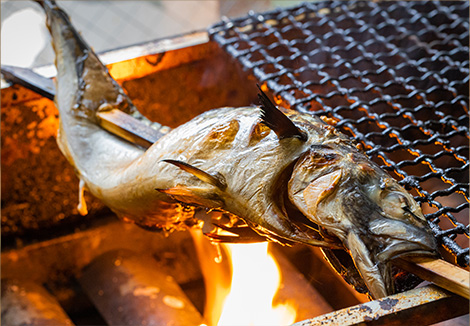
{"points": [[399, 249], [401, 239], [403, 248], [387, 239], [376, 267]]}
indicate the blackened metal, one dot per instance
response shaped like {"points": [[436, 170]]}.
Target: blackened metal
{"points": [[29, 79], [393, 75]]}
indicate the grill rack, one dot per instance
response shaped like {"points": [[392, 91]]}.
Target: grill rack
{"points": [[393, 75]]}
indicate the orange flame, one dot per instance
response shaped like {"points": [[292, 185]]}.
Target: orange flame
{"points": [[241, 283], [255, 281]]}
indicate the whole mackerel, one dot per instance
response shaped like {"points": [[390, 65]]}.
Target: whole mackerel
{"points": [[289, 177]]}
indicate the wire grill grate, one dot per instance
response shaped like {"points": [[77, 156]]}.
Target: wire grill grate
{"points": [[393, 75]]}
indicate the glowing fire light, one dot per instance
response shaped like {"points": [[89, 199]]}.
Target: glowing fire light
{"points": [[255, 281]]}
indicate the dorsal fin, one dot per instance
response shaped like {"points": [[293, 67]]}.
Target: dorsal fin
{"points": [[278, 121], [217, 181]]}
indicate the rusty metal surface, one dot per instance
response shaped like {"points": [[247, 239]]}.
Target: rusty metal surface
{"points": [[422, 306], [174, 96], [131, 289], [39, 187], [139, 60], [28, 303]]}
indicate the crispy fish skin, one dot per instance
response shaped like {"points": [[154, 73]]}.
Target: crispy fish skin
{"points": [[237, 160]]}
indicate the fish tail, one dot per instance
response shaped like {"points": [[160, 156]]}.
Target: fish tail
{"points": [[95, 90], [58, 17]]}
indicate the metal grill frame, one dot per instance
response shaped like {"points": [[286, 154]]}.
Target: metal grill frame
{"points": [[393, 75]]}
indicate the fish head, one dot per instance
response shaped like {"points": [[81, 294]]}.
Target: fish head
{"points": [[347, 195]]}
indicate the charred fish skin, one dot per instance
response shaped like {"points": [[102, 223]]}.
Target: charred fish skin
{"points": [[235, 160]]}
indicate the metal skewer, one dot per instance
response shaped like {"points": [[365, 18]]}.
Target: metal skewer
{"points": [[437, 271], [115, 121]]}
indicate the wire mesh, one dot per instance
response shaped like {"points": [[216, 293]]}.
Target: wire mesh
{"points": [[393, 75]]}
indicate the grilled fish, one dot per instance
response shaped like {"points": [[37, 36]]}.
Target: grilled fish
{"points": [[281, 176]]}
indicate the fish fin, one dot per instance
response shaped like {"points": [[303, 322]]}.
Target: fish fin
{"points": [[235, 238], [278, 121], [369, 271], [46, 3], [198, 196], [319, 189], [279, 228], [217, 181]]}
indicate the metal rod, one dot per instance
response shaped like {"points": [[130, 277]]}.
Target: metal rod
{"points": [[410, 308], [29, 79], [28, 303], [131, 289]]}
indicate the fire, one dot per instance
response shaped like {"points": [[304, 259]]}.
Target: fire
{"points": [[241, 281], [255, 281]]}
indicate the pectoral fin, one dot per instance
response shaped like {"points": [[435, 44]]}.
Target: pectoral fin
{"points": [[215, 180], [276, 225], [319, 189], [198, 196], [370, 272]]}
